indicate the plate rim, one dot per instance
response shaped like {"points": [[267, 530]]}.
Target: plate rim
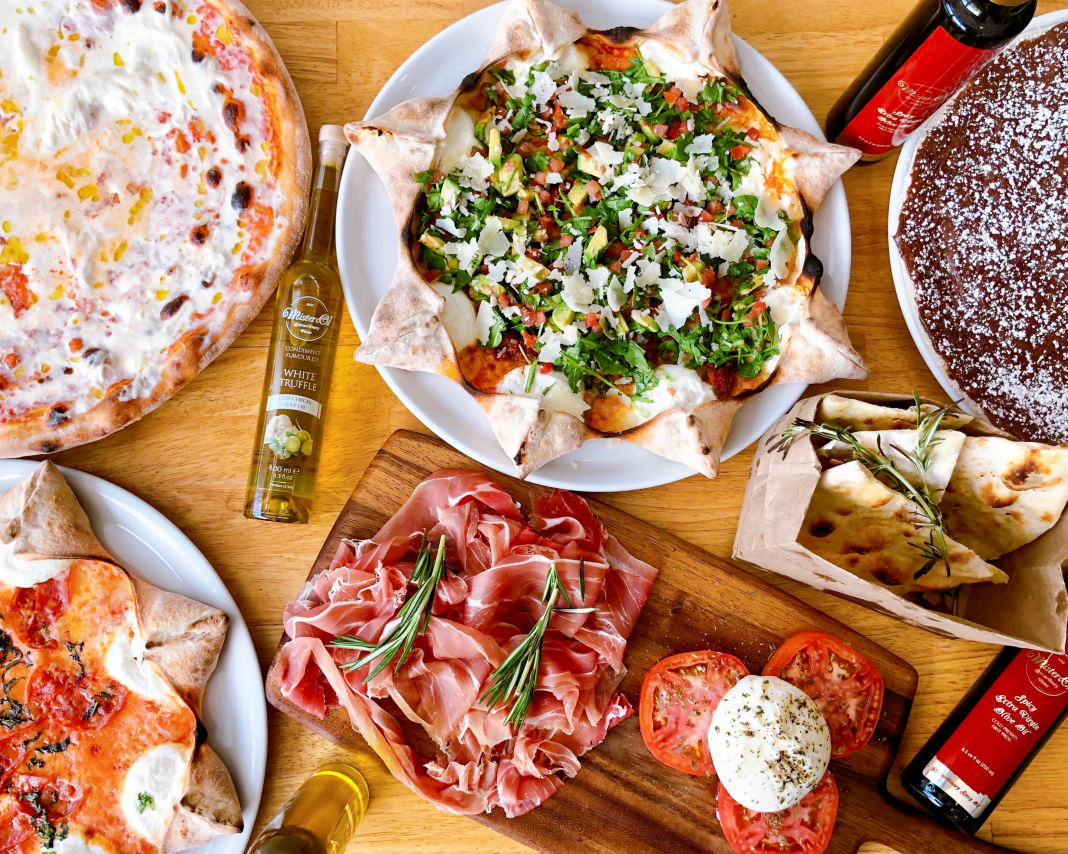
{"points": [[660, 471], [898, 188], [238, 637]]}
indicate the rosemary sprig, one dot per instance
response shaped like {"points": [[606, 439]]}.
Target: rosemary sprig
{"points": [[517, 676], [412, 619], [935, 549]]}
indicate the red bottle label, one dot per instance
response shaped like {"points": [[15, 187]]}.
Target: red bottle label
{"points": [[939, 67], [1006, 723]]}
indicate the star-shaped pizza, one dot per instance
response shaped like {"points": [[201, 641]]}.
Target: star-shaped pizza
{"points": [[603, 234], [101, 746]]}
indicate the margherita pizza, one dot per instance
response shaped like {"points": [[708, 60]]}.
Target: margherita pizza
{"points": [[606, 235], [154, 167], [101, 751]]}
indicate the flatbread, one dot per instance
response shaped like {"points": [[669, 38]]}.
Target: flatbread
{"points": [[895, 444], [860, 415], [183, 638], [863, 526], [1005, 494], [410, 328]]}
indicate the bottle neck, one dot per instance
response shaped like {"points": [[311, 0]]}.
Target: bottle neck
{"points": [[330, 806], [318, 242]]}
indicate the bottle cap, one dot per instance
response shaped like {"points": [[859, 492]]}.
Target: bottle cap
{"points": [[332, 133]]}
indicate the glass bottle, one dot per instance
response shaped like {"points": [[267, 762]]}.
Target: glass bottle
{"points": [[307, 320], [936, 50], [961, 774], [320, 818]]}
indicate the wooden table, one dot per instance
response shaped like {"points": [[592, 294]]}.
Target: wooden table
{"points": [[190, 458]]}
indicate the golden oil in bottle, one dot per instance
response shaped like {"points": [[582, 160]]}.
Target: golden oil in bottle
{"points": [[307, 319], [320, 818]]}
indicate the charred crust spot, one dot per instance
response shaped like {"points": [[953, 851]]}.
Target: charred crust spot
{"points": [[470, 81], [1019, 475], [813, 267], [57, 415], [214, 176], [991, 498], [231, 114], [199, 235], [821, 529], [48, 447], [207, 283], [68, 370], [132, 5], [202, 733], [705, 450], [242, 197], [171, 308], [95, 356], [161, 7], [618, 35], [884, 572]]}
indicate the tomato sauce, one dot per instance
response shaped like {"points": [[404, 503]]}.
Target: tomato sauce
{"points": [[484, 368], [605, 54]]}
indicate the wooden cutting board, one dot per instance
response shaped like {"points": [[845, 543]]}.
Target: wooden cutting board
{"points": [[623, 801]]}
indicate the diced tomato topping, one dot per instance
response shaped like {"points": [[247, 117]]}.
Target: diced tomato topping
{"points": [[559, 119], [503, 300], [529, 340], [566, 239], [754, 313], [524, 149], [761, 263], [715, 208], [616, 266], [593, 320], [672, 94], [593, 190], [523, 207], [705, 216], [624, 256], [543, 287], [539, 178], [737, 223], [677, 257], [682, 105], [545, 367], [753, 133], [740, 151], [615, 249], [565, 144], [431, 275], [660, 130], [676, 130], [16, 287], [437, 176], [545, 196], [556, 165]]}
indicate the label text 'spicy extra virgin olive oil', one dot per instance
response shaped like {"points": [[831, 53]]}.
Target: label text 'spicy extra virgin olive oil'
{"points": [[320, 818], [307, 318]]}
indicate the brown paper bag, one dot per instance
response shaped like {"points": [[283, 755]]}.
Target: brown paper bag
{"points": [[1031, 610]]}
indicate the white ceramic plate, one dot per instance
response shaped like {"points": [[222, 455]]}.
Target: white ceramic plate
{"points": [[154, 549], [897, 263], [367, 257]]}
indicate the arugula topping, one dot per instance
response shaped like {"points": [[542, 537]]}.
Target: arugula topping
{"points": [[560, 241]]}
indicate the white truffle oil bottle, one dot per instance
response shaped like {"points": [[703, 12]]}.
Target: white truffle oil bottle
{"points": [[307, 319], [320, 818]]}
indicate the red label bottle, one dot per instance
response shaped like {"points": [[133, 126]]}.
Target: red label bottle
{"points": [[935, 51], [974, 758]]}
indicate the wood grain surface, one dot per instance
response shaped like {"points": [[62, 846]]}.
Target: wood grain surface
{"points": [[623, 799], [190, 457]]}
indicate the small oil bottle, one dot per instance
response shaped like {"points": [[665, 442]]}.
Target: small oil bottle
{"points": [[320, 818], [307, 319]]}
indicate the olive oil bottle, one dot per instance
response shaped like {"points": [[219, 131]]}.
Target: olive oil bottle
{"points": [[307, 319], [320, 818]]}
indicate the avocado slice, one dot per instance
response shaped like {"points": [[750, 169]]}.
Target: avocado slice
{"points": [[509, 178], [647, 129], [484, 285], [587, 164], [432, 242], [577, 195], [562, 316], [650, 67], [596, 245], [450, 192], [691, 270], [667, 148], [495, 147], [645, 322]]}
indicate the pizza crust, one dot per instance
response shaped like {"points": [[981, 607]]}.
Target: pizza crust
{"points": [[406, 329], [188, 356], [43, 518]]}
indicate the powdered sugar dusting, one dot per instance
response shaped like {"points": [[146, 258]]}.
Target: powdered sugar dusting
{"points": [[984, 234]]}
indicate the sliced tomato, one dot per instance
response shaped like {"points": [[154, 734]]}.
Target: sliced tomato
{"points": [[678, 697], [846, 686], [801, 829]]}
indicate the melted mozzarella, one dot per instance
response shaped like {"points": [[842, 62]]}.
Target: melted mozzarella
{"points": [[109, 129], [75, 844], [551, 388], [769, 742], [125, 661], [161, 775], [17, 571], [458, 317], [459, 141]]}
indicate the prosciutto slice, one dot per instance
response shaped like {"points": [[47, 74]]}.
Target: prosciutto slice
{"points": [[487, 602]]}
